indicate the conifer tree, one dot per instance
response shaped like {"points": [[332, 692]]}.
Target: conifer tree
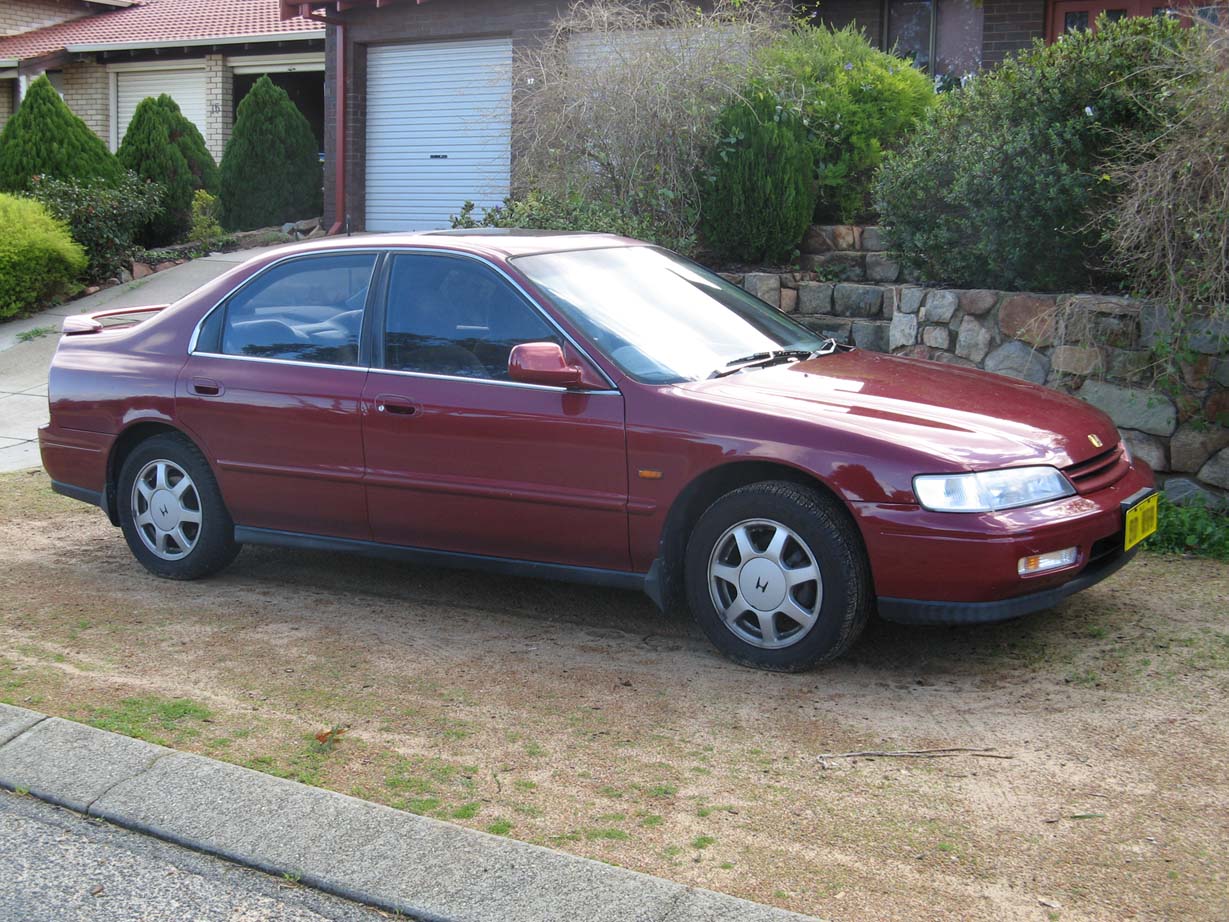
{"points": [[45, 138], [271, 168], [163, 146]]}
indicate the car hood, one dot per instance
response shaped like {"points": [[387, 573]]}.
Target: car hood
{"points": [[971, 419]]}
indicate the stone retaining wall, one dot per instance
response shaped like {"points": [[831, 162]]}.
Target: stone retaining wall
{"points": [[1097, 347]]}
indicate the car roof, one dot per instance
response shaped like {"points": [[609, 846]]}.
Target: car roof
{"points": [[492, 241]]}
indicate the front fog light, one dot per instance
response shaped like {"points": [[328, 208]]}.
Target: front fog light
{"points": [[1052, 560]]}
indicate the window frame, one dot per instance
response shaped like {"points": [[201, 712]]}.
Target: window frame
{"points": [[378, 322], [363, 362]]}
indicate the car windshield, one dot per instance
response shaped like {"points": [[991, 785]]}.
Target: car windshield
{"points": [[661, 318]]}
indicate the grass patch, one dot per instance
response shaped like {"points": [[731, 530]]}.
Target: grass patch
{"points": [[499, 828], [465, 811], [651, 820], [605, 832], [663, 791], [28, 336], [153, 719], [702, 842]]}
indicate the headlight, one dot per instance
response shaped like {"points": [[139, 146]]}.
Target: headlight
{"points": [[990, 491]]}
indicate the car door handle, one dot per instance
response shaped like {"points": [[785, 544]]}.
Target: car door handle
{"points": [[391, 403], [206, 387]]}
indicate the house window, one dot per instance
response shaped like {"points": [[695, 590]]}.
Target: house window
{"points": [[942, 37]]}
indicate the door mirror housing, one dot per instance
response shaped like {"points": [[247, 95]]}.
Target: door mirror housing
{"points": [[543, 363]]}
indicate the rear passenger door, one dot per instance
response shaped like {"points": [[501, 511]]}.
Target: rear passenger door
{"points": [[271, 390]]}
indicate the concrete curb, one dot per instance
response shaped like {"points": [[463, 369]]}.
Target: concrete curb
{"points": [[420, 867]]}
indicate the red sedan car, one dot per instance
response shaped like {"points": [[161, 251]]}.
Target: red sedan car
{"points": [[588, 408]]}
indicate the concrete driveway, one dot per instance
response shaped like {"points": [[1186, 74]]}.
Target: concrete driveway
{"points": [[23, 364]]}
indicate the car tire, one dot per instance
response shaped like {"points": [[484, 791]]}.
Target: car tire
{"points": [[777, 577], [171, 510]]}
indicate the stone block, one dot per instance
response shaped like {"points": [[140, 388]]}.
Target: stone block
{"points": [[978, 302], [936, 337], [903, 331], [764, 285], [1220, 372], [1130, 365], [845, 237], [1192, 446], [857, 300], [1147, 448], [881, 268], [1216, 470], [948, 358], [1100, 319], [847, 267], [1016, 360], [837, 328], [817, 239], [873, 239], [815, 297], [1076, 360], [1216, 408], [1182, 491], [1029, 318], [1209, 335], [911, 298], [891, 297], [871, 335], [1132, 408], [789, 300], [141, 270], [974, 340], [939, 306]]}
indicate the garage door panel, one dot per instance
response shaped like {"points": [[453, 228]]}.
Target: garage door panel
{"points": [[438, 131], [186, 87]]}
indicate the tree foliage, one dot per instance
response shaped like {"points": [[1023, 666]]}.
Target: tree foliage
{"points": [[270, 169], [44, 138], [162, 146], [38, 258]]}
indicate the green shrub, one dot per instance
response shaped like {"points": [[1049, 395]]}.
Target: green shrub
{"points": [[205, 212], [759, 195], [38, 258], [1191, 528], [548, 211], [44, 138], [104, 217], [271, 169], [163, 146], [1001, 184], [857, 102]]}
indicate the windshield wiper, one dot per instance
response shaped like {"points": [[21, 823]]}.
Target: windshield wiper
{"points": [[776, 357]]}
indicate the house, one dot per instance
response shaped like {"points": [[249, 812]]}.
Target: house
{"points": [[418, 107], [105, 56]]}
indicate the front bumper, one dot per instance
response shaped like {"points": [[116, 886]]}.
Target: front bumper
{"points": [[960, 568]]}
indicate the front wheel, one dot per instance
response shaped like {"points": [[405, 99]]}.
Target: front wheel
{"points": [[777, 577], [172, 512]]}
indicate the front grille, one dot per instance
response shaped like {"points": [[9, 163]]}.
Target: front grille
{"points": [[1099, 471]]}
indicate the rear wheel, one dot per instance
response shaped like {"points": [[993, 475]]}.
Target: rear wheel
{"points": [[777, 578], [172, 512]]}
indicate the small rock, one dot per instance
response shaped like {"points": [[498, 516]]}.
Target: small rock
{"points": [[939, 306], [974, 340], [815, 297], [1183, 491], [978, 301], [141, 270], [845, 237], [165, 264], [873, 239], [764, 285], [1016, 360], [871, 335], [1076, 360], [123, 276], [817, 239], [789, 300], [857, 300], [1050, 904], [881, 268], [911, 299], [307, 225], [1130, 365], [1220, 373], [288, 227], [936, 337], [1216, 470], [317, 233], [1131, 408]]}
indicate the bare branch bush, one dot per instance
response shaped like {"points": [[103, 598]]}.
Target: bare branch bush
{"points": [[620, 101], [1170, 226]]}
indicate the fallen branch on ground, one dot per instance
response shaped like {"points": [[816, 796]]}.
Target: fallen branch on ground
{"points": [[915, 754]]}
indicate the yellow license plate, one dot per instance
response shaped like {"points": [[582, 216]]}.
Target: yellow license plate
{"points": [[1141, 520]]}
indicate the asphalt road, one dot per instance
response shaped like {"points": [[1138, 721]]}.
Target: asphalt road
{"points": [[57, 866]]}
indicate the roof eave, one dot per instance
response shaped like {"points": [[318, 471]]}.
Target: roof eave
{"points": [[262, 37]]}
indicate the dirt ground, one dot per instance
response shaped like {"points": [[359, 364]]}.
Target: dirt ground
{"points": [[583, 720]]}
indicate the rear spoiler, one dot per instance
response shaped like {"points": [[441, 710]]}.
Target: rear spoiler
{"points": [[77, 324]]}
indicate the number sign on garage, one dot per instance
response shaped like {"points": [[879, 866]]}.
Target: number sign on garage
{"points": [[439, 126]]}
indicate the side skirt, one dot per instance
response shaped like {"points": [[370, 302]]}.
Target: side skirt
{"points": [[589, 576]]}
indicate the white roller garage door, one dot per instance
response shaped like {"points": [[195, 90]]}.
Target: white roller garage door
{"points": [[186, 87], [439, 126]]}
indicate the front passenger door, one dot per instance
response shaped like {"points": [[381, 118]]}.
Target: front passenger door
{"points": [[459, 457]]}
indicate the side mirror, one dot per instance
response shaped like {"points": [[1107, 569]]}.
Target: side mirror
{"points": [[542, 363]]}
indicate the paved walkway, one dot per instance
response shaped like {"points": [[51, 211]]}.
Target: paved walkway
{"points": [[389, 859], [23, 365]]}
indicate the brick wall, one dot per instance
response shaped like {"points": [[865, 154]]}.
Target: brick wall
{"points": [[26, 15], [86, 90], [219, 98], [867, 14], [1009, 26], [7, 90]]}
